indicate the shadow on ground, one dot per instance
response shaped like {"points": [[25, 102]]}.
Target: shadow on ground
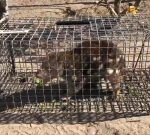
{"points": [[40, 106]]}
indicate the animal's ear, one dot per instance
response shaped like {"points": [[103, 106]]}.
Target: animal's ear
{"points": [[41, 73]]}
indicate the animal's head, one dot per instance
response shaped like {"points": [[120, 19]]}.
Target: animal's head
{"points": [[48, 75], [51, 67], [41, 76]]}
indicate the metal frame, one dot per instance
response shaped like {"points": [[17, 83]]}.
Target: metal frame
{"points": [[20, 38]]}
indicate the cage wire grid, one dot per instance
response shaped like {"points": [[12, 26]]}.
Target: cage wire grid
{"points": [[26, 43]]}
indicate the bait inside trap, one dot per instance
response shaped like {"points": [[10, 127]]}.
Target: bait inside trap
{"points": [[45, 60]]}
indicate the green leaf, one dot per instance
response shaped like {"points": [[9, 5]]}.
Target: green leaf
{"points": [[38, 81]]}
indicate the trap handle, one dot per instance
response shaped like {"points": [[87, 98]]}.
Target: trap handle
{"points": [[83, 22]]}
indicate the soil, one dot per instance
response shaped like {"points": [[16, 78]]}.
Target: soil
{"points": [[130, 126]]}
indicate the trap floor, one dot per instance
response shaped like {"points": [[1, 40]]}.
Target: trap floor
{"points": [[27, 98]]}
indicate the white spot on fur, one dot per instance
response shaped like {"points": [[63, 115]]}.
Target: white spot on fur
{"points": [[94, 58], [55, 80], [117, 71], [107, 81], [74, 78], [110, 60], [47, 84], [103, 86], [118, 59], [110, 86], [61, 79], [110, 71], [98, 58], [100, 66], [102, 80], [120, 56]]}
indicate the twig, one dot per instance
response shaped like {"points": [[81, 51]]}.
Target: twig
{"points": [[112, 11], [141, 51]]}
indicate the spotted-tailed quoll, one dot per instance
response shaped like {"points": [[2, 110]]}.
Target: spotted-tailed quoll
{"points": [[89, 60]]}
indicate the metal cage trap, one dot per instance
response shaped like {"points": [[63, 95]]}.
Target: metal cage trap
{"points": [[81, 64]]}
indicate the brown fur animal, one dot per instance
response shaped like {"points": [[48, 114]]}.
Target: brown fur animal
{"points": [[87, 61]]}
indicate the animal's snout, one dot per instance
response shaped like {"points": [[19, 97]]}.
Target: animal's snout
{"points": [[47, 75]]}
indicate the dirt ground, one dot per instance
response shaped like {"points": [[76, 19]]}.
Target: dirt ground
{"points": [[54, 8], [130, 126], [123, 126], [58, 8]]}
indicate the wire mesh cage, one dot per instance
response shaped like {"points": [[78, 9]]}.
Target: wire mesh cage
{"points": [[82, 64]]}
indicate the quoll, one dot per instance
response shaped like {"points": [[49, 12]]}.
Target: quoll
{"points": [[88, 61]]}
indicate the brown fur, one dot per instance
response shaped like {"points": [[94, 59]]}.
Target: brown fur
{"points": [[81, 57]]}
